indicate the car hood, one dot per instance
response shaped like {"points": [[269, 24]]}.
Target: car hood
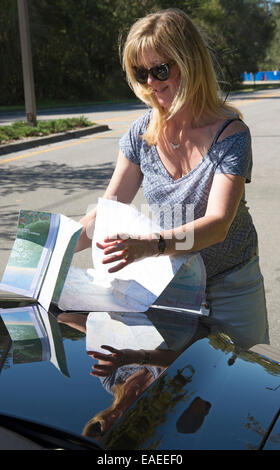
{"points": [[211, 394]]}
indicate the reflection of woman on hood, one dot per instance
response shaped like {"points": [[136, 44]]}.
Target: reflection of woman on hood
{"points": [[127, 383], [120, 375]]}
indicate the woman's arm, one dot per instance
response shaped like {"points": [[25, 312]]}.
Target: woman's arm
{"points": [[212, 228], [123, 186], [224, 198], [119, 357]]}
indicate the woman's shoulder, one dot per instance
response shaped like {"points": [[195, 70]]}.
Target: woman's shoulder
{"points": [[231, 128], [234, 151], [140, 124], [136, 130], [131, 142]]}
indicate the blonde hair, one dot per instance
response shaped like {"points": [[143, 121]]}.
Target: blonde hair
{"points": [[174, 38], [89, 429]]}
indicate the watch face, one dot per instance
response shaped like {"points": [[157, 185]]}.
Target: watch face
{"points": [[161, 245]]}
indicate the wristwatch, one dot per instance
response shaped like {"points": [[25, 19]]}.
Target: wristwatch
{"points": [[146, 359], [161, 244]]}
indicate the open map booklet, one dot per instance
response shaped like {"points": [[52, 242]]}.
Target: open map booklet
{"points": [[33, 336], [39, 268]]}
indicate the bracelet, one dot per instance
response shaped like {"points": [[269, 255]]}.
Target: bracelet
{"points": [[146, 359], [161, 244]]}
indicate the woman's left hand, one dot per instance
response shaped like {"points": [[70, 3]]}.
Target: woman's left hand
{"points": [[126, 249]]}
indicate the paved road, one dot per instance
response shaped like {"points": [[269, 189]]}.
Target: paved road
{"points": [[69, 176]]}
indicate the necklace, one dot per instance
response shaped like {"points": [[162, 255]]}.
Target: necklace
{"points": [[174, 146], [178, 137]]}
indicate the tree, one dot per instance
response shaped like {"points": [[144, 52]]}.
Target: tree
{"points": [[11, 84], [272, 58], [241, 31], [75, 44]]}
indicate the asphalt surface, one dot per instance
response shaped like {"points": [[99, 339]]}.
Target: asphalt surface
{"points": [[51, 180]]}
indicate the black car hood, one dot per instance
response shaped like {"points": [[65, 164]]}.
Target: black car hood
{"points": [[213, 394]]}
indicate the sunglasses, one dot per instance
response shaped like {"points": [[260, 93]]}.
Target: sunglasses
{"points": [[159, 72]]}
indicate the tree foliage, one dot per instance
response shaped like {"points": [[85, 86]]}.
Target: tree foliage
{"points": [[272, 58], [75, 44]]}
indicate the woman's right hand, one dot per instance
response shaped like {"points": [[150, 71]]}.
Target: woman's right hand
{"points": [[107, 363]]}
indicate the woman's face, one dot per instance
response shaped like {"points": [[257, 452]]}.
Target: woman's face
{"points": [[164, 91]]}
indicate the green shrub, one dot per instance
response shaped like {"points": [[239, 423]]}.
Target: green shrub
{"points": [[20, 129]]}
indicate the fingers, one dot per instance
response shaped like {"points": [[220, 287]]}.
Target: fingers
{"points": [[102, 367], [114, 248], [101, 371], [121, 247], [111, 362], [118, 236], [120, 256], [118, 267], [97, 373], [109, 348], [109, 245], [115, 252], [106, 357], [112, 240], [99, 355]]}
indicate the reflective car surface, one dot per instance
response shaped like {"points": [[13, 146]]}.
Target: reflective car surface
{"points": [[170, 380]]}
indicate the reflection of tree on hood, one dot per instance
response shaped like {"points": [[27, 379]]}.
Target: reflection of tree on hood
{"points": [[150, 411]]}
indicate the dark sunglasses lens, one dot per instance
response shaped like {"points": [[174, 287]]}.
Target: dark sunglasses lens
{"points": [[161, 72], [141, 75]]}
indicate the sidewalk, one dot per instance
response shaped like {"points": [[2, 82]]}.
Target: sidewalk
{"points": [[32, 142], [88, 111]]}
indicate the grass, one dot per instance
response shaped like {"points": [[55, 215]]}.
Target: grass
{"points": [[53, 104], [21, 130], [254, 87]]}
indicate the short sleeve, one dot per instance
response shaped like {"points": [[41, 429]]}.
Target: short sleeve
{"points": [[235, 155], [131, 142]]}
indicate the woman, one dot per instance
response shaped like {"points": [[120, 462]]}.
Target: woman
{"points": [[125, 393], [192, 149]]}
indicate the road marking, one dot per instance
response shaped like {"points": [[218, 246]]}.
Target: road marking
{"points": [[118, 118], [59, 147], [244, 101]]}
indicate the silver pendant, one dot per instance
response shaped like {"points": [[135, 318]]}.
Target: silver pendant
{"points": [[174, 146]]}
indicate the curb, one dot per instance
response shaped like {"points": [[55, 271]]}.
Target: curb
{"points": [[50, 139]]}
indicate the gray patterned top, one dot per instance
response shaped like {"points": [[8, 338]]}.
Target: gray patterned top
{"points": [[120, 375], [231, 155]]}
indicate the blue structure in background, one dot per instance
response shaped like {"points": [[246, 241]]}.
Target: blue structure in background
{"points": [[262, 76]]}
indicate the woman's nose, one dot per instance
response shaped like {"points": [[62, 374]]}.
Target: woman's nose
{"points": [[151, 79]]}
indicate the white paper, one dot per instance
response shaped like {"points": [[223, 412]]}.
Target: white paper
{"points": [[137, 286], [153, 330], [153, 273], [124, 332]]}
